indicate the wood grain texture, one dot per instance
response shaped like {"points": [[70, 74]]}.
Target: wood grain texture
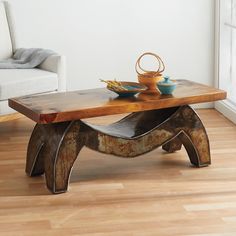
{"points": [[155, 194], [14, 116], [76, 105]]}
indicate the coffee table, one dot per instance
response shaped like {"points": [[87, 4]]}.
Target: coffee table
{"points": [[155, 120]]}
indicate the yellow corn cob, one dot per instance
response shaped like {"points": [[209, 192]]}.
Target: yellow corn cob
{"points": [[113, 84]]}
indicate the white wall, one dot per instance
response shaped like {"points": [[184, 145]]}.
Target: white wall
{"points": [[103, 38]]}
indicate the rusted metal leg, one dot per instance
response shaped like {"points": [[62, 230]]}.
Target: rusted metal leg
{"points": [[197, 147], [173, 145], [194, 137], [192, 152], [61, 150], [34, 159], [142, 132], [53, 148]]}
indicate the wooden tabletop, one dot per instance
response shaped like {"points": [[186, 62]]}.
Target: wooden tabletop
{"points": [[82, 104]]}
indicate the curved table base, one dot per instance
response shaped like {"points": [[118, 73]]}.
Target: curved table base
{"points": [[53, 148]]}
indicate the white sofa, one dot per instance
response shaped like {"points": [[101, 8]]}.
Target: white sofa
{"points": [[48, 77]]}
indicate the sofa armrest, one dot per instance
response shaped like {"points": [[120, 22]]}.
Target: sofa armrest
{"points": [[56, 64]]}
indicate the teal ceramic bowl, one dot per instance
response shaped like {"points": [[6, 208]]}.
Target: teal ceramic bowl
{"points": [[166, 86], [131, 88]]}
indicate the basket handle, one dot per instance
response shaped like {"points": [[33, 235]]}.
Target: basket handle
{"points": [[161, 65]]}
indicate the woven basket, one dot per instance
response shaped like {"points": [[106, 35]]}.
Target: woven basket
{"points": [[149, 78]]}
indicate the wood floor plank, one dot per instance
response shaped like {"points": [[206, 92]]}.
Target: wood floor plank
{"points": [[156, 194]]}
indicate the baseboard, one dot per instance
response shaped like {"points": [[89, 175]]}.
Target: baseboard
{"points": [[203, 105], [227, 110]]}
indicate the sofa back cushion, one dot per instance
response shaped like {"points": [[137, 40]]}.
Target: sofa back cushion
{"points": [[5, 37]]}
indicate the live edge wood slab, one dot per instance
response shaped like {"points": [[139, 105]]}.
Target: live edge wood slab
{"points": [[155, 120]]}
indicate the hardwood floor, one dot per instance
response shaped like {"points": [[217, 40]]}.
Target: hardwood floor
{"points": [[157, 194]]}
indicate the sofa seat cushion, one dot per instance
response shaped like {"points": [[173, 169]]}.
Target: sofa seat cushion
{"points": [[16, 83]]}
